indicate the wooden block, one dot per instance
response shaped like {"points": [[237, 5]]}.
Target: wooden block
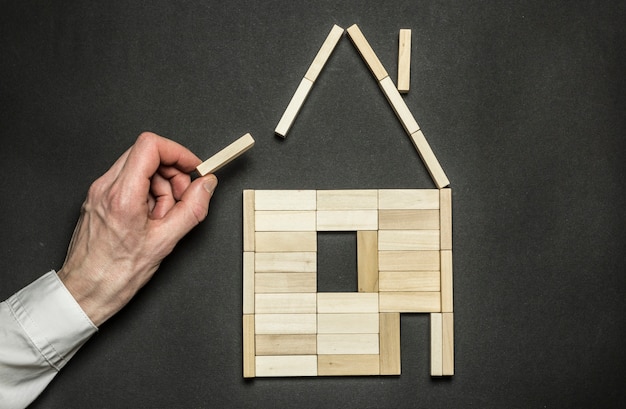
{"points": [[347, 199], [289, 365], [421, 260], [346, 303], [399, 106], [436, 346], [448, 344], [285, 283], [293, 108], [226, 155], [285, 220], [284, 262], [447, 304], [324, 53], [430, 160], [409, 281], [347, 344], [286, 344], [445, 211], [347, 323], [286, 241], [285, 200], [286, 303], [408, 199], [410, 301], [248, 282], [404, 60], [390, 360], [408, 219], [408, 240], [367, 53], [367, 261], [285, 323], [347, 365], [248, 220], [347, 220], [248, 346]]}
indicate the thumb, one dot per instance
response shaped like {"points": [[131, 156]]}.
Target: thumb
{"points": [[192, 208]]}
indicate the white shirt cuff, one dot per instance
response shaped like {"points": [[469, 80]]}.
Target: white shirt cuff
{"points": [[52, 319]]}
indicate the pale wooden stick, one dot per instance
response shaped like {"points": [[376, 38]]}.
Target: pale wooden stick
{"points": [[324, 53], [289, 116], [404, 60], [226, 155], [367, 53]]}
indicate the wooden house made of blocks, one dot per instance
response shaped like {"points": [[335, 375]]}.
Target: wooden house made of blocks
{"points": [[404, 263]]}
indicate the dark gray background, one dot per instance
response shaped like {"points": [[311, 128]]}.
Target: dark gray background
{"points": [[523, 102]]}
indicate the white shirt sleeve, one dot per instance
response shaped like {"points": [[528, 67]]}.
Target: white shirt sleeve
{"points": [[41, 328]]}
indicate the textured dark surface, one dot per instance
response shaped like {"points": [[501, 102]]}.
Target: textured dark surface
{"points": [[522, 102]]}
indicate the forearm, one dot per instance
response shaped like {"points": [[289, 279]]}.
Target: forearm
{"points": [[41, 328]]}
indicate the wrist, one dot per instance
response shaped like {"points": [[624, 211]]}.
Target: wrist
{"points": [[88, 295]]}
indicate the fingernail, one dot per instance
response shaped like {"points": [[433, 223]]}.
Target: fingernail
{"points": [[210, 185]]}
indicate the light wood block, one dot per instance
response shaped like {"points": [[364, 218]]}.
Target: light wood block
{"points": [[409, 281], [285, 262], [408, 199], [285, 200], [289, 365], [404, 60], [285, 220], [408, 219], [410, 301], [447, 304], [248, 220], [285, 323], [421, 260], [347, 344], [347, 323], [248, 346], [340, 365], [408, 240], [347, 199], [390, 360], [430, 160], [445, 211], [226, 155], [296, 241], [285, 283], [367, 261], [448, 344], [399, 106], [324, 53], [248, 282], [286, 303], [293, 108], [347, 220], [286, 344], [346, 303], [367, 53], [436, 345]]}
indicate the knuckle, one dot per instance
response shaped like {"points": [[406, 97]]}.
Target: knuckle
{"points": [[146, 137], [199, 212]]}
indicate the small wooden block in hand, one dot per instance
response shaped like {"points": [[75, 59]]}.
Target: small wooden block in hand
{"points": [[226, 155]]}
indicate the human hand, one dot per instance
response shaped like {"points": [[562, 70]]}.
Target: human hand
{"points": [[132, 218]]}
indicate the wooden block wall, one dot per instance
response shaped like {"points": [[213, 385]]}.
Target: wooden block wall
{"points": [[404, 265]]}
